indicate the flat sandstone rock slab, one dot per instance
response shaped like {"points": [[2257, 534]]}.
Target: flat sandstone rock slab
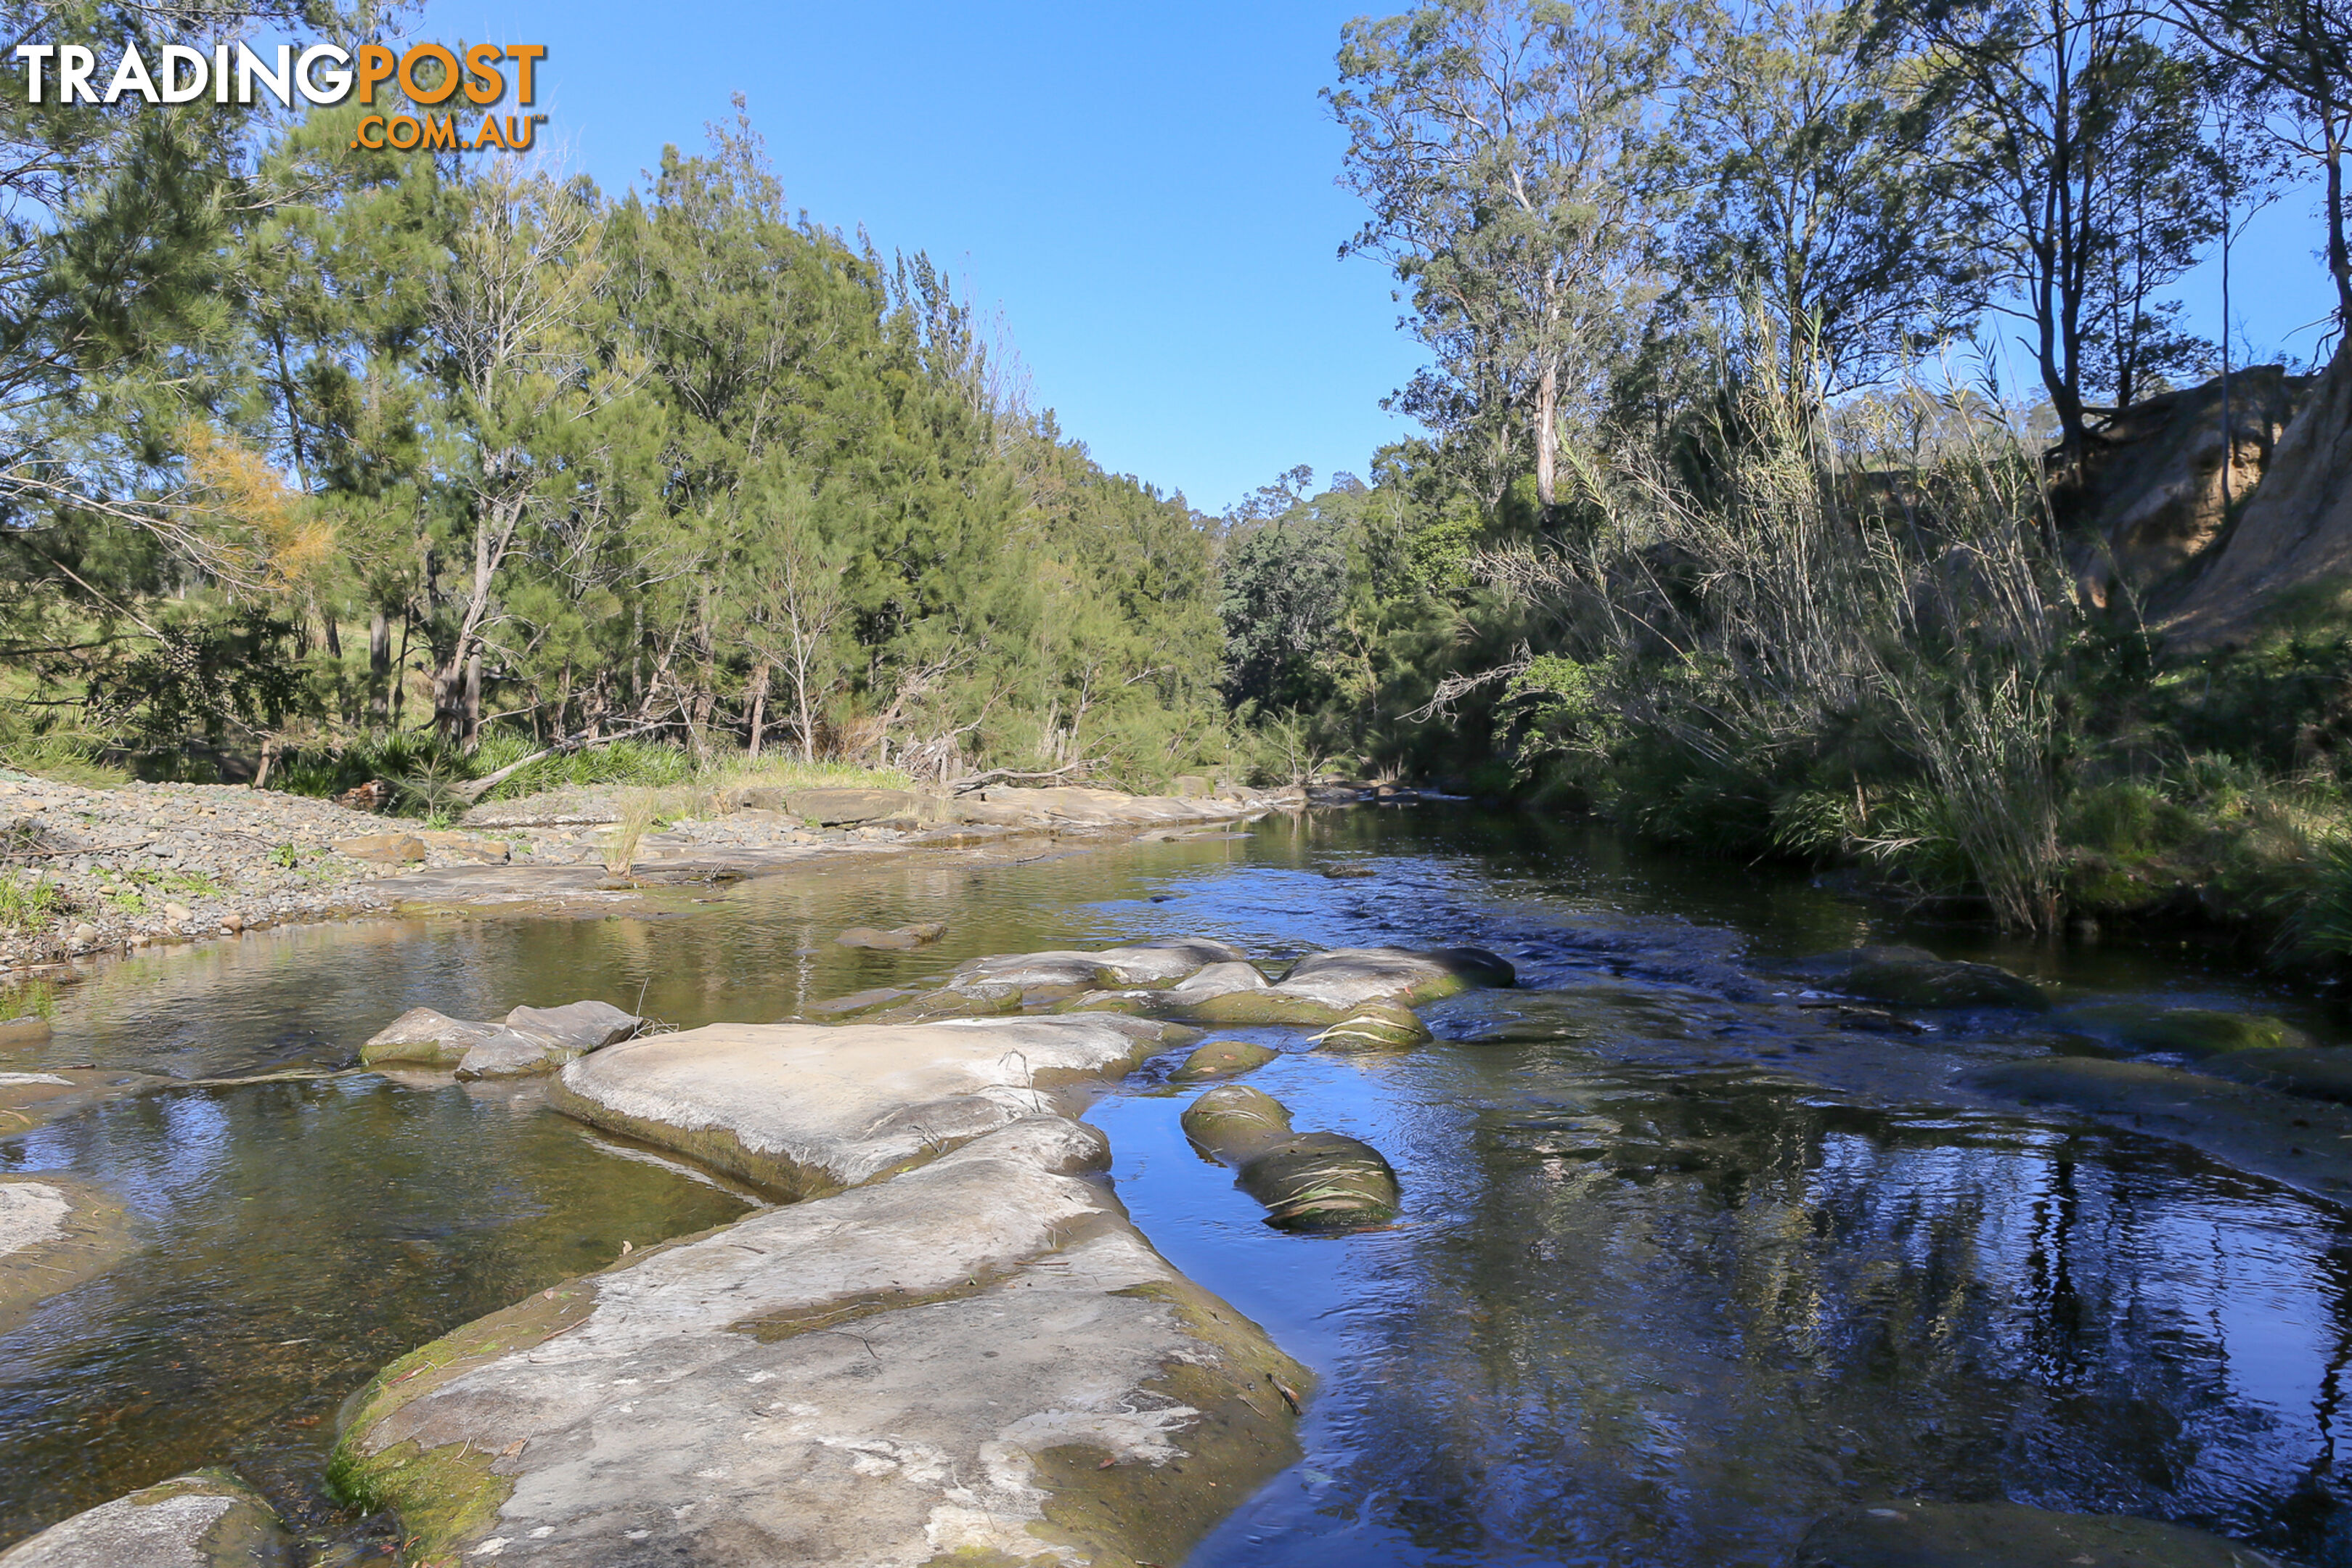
{"points": [[54, 1232], [808, 1109], [977, 1360], [207, 1519]]}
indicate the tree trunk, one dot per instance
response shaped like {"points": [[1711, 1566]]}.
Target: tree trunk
{"points": [[2339, 260], [379, 665], [474, 699], [1547, 438], [758, 706]]}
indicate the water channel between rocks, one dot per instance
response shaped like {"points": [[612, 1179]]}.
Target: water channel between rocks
{"points": [[1673, 1277]]}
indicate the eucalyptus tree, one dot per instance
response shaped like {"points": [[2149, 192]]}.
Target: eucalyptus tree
{"points": [[2088, 119], [1502, 146], [1829, 193]]}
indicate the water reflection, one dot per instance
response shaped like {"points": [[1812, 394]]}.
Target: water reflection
{"points": [[1678, 1272]]}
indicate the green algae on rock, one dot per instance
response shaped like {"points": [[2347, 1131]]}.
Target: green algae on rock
{"points": [[1221, 1058], [1374, 1027], [1307, 1180], [2311, 1071], [979, 1360], [1908, 977], [2138, 1026], [208, 1519], [1324, 987], [1907, 1534]]}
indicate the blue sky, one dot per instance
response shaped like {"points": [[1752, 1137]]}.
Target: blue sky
{"points": [[1147, 192]]}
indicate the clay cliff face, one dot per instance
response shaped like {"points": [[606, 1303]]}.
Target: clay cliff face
{"points": [[2150, 498], [2292, 537]]}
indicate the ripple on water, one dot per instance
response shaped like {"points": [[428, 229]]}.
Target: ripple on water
{"points": [[1681, 1268]]}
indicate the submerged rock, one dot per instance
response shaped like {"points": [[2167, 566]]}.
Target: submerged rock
{"points": [[808, 1109], [2312, 1073], [1908, 977], [922, 934], [981, 1361], [1911, 1534], [32, 1030], [205, 1520], [1221, 1058], [54, 1232], [2178, 1031], [2300, 1142], [28, 1099], [1375, 1027], [1307, 1180]]}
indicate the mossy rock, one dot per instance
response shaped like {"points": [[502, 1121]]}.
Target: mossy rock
{"points": [[1221, 1058], [983, 1001], [1133, 1004], [2194, 1031], [1269, 1006], [2312, 1072], [1235, 1123], [206, 1517], [1936, 982], [1912, 1534], [1375, 1027], [423, 1038], [1322, 1182]]}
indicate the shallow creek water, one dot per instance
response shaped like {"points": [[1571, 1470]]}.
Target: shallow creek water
{"points": [[1679, 1271]]}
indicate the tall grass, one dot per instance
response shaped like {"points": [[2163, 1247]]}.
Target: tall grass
{"points": [[1811, 597], [637, 809]]}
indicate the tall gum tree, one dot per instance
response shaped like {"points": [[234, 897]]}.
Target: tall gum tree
{"points": [[1500, 146]]}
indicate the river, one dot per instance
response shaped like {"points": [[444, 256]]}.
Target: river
{"points": [[1675, 1277]]}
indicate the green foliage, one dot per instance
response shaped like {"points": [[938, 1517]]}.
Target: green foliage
{"points": [[30, 902]]}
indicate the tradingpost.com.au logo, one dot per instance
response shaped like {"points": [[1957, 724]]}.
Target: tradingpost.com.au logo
{"points": [[323, 74]]}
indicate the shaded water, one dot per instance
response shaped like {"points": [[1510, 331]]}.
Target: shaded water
{"points": [[1676, 1276]]}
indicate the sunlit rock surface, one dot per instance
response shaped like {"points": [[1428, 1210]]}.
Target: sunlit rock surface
{"points": [[207, 1519], [979, 1359], [807, 1109]]}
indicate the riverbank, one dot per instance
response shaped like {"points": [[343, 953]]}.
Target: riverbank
{"points": [[92, 871]]}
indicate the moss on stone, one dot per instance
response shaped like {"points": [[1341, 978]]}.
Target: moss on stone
{"points": [[1132, 1514], [445, 1495], [1273, 1005], [1375, 1027], [2182, 1031], [1235, 1123], [1221, 1058], [1322, 1182], [1938, 984]]}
